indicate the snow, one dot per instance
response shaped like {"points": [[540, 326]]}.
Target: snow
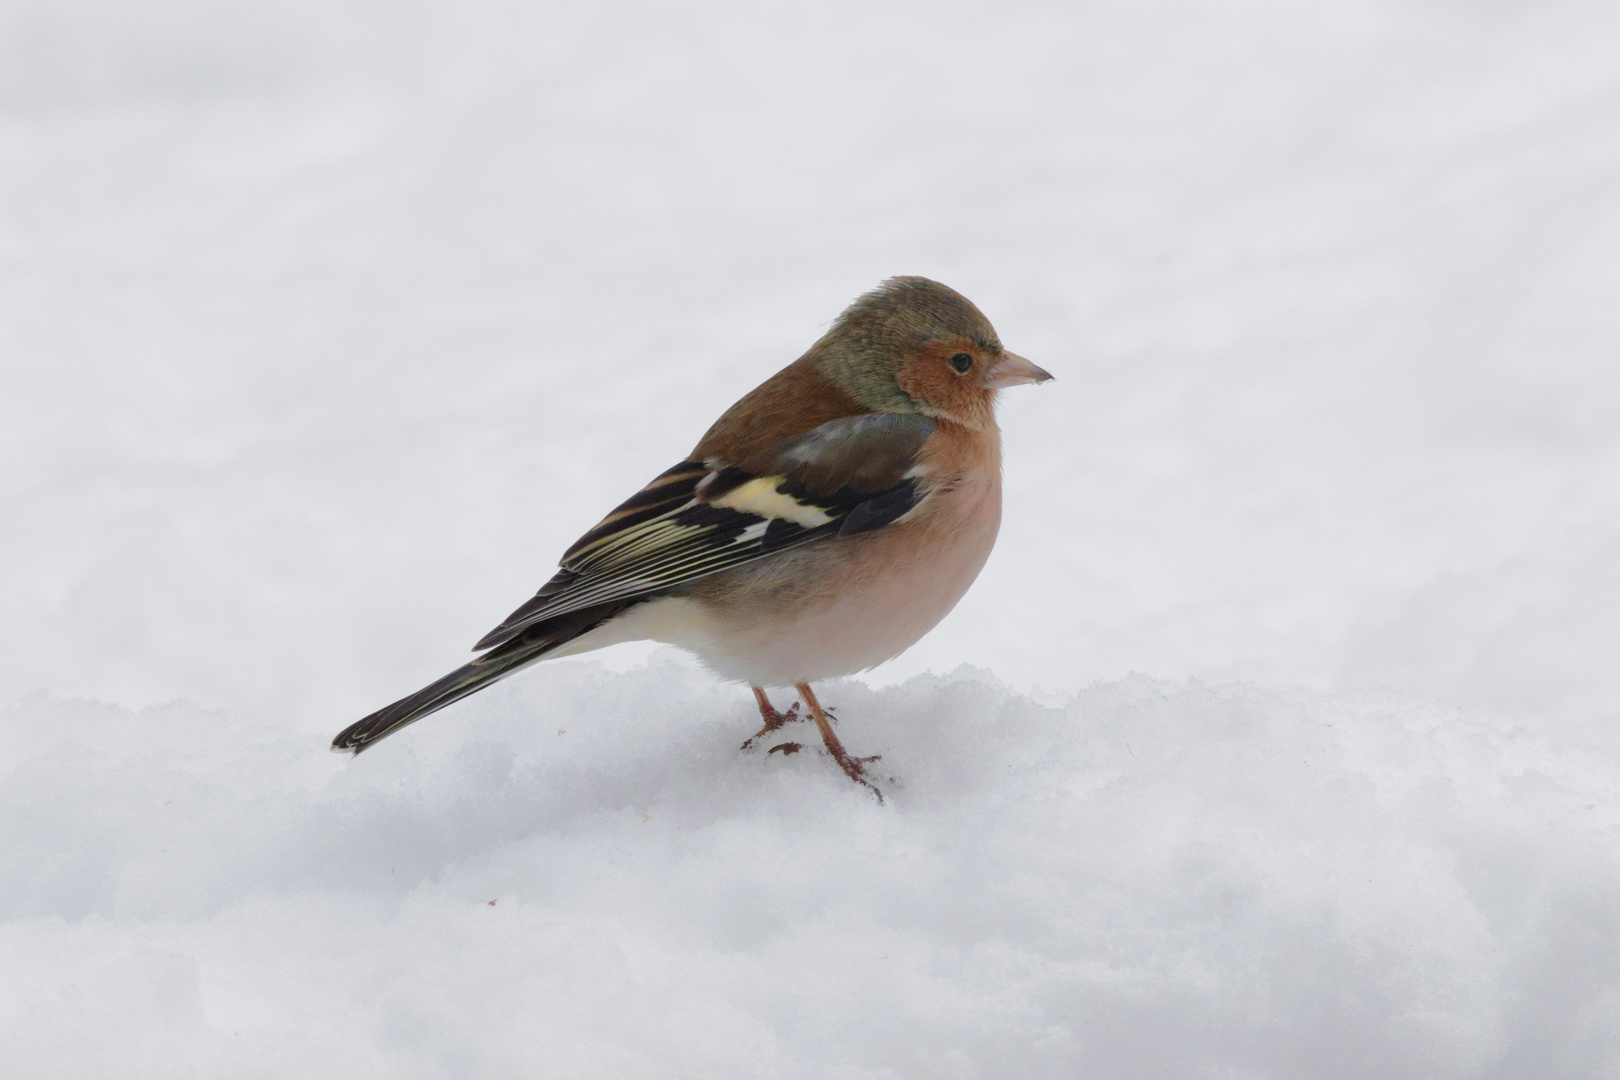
{"points": [[324, 328], [581, 876]]}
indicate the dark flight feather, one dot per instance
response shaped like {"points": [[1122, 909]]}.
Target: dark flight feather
{"points": [[470, 678], [847, 476], [799, 491]]}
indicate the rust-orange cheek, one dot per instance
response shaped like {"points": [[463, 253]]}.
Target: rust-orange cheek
{"points": [[929, 378]]}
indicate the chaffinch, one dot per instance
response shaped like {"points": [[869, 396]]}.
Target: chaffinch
{"points": [[824, 524]]}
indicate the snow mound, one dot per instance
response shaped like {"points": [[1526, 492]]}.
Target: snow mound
{"points": [[579, 874]]}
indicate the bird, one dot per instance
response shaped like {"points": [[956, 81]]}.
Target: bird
{"points": [[824, 523]]}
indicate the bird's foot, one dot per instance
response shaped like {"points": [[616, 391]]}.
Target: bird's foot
{"points": [[855, 768], [774, 721]]}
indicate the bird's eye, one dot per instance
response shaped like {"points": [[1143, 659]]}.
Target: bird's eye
{"points": [[961, 362]]}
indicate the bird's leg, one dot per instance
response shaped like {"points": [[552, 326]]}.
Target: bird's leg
{"points": [[774, 720], [853, 767]]}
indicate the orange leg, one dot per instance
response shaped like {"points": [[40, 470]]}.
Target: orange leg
{"points": [[774, 721], [853, 767]]}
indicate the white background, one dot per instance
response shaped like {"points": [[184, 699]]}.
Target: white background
{"points": [[325, 327]]}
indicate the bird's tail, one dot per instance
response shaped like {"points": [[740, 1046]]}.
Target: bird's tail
{"points": [[467, 679], [495, 665]]}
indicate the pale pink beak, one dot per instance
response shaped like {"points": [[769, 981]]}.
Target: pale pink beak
{"points": [[1014, 370]]}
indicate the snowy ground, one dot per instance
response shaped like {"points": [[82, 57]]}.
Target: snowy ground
{"points": [[324, 328], [1153, 880]]}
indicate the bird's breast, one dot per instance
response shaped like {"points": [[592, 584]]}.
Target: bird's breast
{"points": [[843, 605]]}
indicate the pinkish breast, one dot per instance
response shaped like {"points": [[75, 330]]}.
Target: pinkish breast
{"points": [[844, 605]]}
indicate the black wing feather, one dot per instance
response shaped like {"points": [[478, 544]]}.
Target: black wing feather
{"points": [[882, 509], [848, 476]]}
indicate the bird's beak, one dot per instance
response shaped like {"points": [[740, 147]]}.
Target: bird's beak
{"points": [[1014, 370]]}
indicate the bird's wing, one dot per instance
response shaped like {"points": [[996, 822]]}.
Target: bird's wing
{"points": [[848, 476]]}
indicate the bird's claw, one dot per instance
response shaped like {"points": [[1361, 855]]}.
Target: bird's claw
{"points": [[855, 769], [774, 721]]}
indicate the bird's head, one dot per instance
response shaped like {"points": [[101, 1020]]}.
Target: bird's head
{"points": [[914, 345]]}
